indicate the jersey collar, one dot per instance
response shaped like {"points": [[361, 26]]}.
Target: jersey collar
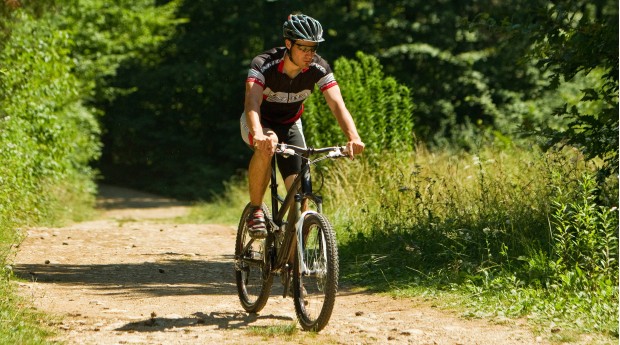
{"points": [[281, 67]]}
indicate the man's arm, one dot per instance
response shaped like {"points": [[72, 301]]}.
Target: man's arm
{"points": [[345, 120], [253, 100]]}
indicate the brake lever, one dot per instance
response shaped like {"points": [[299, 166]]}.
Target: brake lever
{"points": [[338, 152], [284, 151]]}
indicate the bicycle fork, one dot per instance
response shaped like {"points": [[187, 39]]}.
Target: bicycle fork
{"points": [[299, 227]]}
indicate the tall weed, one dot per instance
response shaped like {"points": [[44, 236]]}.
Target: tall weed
{"points": [[584, 234]]}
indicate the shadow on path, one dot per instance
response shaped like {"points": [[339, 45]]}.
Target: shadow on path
{"points": [[165, 278], [219, 319]]}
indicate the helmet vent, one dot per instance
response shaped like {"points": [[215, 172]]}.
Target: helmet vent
{"points": [[302, 27]]}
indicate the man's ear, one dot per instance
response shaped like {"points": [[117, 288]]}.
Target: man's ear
{"points": [[288, 43]]}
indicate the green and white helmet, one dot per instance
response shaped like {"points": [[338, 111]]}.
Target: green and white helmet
{"points": [[302, 27]]}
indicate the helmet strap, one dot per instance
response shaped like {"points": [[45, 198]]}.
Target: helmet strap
{"points": [[290, 55]]}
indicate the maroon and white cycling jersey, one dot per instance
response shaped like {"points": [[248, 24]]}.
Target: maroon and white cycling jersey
{"points": [[283, 97]]}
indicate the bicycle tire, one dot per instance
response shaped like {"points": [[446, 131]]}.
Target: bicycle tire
{"points": [[252, 266], [315, 294]]}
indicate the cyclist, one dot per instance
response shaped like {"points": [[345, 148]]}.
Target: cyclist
{"points": [[278, 82]]}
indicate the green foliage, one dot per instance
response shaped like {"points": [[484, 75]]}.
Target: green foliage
{"points": [[584, 234], [582, 37], [571, 39], [522, 231], [107, 35], [460, 77], [20, 324], [48, 138], [472, 84], [176, 128], [51, 54], [380, 106]]}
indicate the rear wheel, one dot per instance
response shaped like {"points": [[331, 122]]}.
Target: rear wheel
{"points": [[316, 284], [252, 266]]}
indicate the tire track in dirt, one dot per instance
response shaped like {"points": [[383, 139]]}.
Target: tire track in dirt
{"points": [[133, 277]]}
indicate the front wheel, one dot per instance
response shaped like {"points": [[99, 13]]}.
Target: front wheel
{"points": [[252, 266], [315, 276]]}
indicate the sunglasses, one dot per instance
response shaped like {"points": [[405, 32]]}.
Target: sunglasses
{"points": [[306, 49]]}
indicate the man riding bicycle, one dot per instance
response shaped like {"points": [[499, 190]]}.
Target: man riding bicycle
{"points": [[278, 82]]}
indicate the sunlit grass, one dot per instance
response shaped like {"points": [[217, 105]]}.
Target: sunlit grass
{"points": [[282, 330], [482, 225], [61, 204], [19, 324], [224, 208]]}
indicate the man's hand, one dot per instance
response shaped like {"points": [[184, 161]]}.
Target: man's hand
{"points": [[265, 143], [355, 147]]}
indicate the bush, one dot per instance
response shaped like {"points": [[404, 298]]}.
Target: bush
{"points": [[47, 137], [380, 107]]}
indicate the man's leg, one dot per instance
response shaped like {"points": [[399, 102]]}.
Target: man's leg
{"points": [[259, 175], [258, 178], [288, 182], [260, 171]]}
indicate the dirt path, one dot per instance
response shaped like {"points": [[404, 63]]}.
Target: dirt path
{"points": [[133, 277]]}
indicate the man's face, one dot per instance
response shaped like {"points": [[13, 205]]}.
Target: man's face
{"points": [[302, 51]]}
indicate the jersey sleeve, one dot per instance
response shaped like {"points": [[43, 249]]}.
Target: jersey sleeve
{"points": [[327, 79], [254, 74]]}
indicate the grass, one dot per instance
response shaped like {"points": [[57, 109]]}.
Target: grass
{"points": [[511, 233], [517, 233], [223, 209], [19, 323], [283, 330]]}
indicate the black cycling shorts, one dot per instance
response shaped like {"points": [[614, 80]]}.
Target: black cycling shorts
{"points": [[291, 134]]}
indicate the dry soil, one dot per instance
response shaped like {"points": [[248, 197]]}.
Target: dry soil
{"points": [[133, 276]]}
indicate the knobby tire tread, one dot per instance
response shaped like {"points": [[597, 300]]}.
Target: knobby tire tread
{"points": [[331, 288]]}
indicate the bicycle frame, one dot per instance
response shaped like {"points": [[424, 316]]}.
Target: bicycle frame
{"points": [[292, 203], [300, 247]]}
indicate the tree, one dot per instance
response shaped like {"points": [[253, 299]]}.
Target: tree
{"points": [[570, 39]]}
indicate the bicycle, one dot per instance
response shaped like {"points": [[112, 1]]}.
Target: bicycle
{"points": [[301, 249]]}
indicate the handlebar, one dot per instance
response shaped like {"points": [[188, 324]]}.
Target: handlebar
{"points": [[332, 152]]}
